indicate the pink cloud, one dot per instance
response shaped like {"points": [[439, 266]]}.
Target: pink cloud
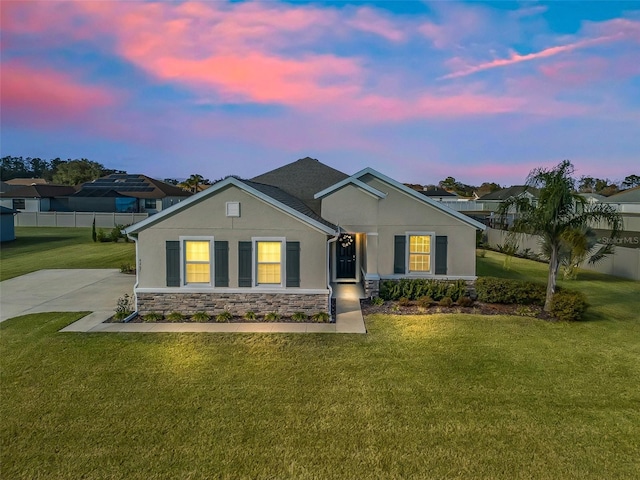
{"points": [[517, 58], [369, 20], [43, 96]]}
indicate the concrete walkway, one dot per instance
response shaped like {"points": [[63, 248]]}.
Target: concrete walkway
{"points": [[64, 290], [98, 290], [348, 320]]}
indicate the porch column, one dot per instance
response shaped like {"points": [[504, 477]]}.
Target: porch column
{"points": [[371, 277]]}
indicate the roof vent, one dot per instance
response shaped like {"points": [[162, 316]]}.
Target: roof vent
{"points": [[233, 209]]}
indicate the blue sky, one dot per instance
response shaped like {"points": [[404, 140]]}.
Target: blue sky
{"points": [[482, 91]]}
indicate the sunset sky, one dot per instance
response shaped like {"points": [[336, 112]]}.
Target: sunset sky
{"points": [[481, 91]]}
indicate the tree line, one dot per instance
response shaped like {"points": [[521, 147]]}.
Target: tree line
{"points": [[62, 172]]}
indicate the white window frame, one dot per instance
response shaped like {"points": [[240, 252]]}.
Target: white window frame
{"points": [[432, 253], [183, 260], [254, 268]]}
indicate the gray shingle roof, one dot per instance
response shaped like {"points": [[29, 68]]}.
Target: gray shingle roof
{"points": [[289, 200], [303, 179], [39, 191], [513, 191], [631, 195]]}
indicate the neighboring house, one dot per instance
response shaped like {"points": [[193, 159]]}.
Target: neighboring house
{"points": [[126, 193], [515, 191], [37, 198], [7, 230], [440, 194], [592, 198], [627, 201], [278, 244], [27, 181]]}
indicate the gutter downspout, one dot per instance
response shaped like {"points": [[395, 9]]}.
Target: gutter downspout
{"points": [[135, 285], [329, 242]]}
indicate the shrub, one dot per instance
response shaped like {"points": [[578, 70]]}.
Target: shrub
{"points": [[377, 301], [175, 317], [568, 305], [224, 316], [425, 301], [446, 302], [508, 291], [152, 317], [415, 288], [127, 268], [124, 307], [201, 317], [101, 236], [250, 315], [465, 301], [321, 317], [404, 301], [299, 317], [481, 253], [272, 317]]}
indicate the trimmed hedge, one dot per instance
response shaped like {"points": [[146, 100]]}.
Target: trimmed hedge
{"points": [[415, 288], [508, 291], [568, 305]]}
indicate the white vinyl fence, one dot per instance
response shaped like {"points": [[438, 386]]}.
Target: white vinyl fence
{"points": [[76, 219], [625, 262]]}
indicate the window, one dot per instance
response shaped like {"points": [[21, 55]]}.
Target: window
{"points": [[18, 204], [197, 261], [150, 203], [269, 262], [419, 253]]}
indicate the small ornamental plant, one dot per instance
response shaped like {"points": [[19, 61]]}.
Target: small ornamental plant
{"points": [[299, 317], [225, 316], [321, 317], [175, 317], [446, 302], [152, 317], [201, 317], [250, 315], [124, 307], [377, 301], [272, 317]]}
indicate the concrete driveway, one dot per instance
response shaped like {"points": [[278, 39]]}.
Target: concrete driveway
{"points": [[61, 290]]}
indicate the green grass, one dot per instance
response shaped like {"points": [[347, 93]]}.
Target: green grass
{"points": [[610, 298], [440, 396], [37, 248]]}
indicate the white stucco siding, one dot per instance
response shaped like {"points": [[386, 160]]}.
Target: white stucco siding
{"points": [[208, 218]]}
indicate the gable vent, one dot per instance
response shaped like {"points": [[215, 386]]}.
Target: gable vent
{"points": [[233, 209]]}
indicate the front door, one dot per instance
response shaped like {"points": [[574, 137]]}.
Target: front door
{"points": [[346, 257]]}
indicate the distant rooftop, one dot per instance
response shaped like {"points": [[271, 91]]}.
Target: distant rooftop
{"points": [[130, 185]]}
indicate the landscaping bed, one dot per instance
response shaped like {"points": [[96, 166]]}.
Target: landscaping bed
{"points": [[477, 308]]}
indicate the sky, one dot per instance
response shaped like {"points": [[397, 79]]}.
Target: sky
{"points": [[481, 91]]}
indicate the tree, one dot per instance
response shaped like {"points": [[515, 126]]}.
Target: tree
{"points": [[558, 218], [631, 181], [193, 183], [75, 172], [587, 184]]}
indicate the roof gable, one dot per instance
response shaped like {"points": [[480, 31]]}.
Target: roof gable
{"points": [[268, 193], [419, 197]]}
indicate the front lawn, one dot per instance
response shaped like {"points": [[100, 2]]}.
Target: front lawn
{"points": [[610, 298], [37, 248], [439, 396]]}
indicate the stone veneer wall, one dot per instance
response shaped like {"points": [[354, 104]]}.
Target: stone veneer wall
{"points": [[236, 303], [371, 288]]}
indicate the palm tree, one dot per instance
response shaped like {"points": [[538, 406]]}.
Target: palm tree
{"points": [[193, 183], [560, 217]]}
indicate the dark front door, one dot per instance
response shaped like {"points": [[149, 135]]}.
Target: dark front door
{"points": [[346, 257]]}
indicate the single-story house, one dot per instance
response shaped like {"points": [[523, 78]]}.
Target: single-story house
{"points": [[37, 198], [279, 241], [121, 192], [7, 229]]}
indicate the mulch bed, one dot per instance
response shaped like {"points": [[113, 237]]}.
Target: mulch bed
{"points": [[478, 308]]}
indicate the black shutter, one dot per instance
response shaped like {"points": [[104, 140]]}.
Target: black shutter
{"points": [[399, 254], [173, 263], [244, 264], [221, 263], [293, 264], [441, 255]]}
